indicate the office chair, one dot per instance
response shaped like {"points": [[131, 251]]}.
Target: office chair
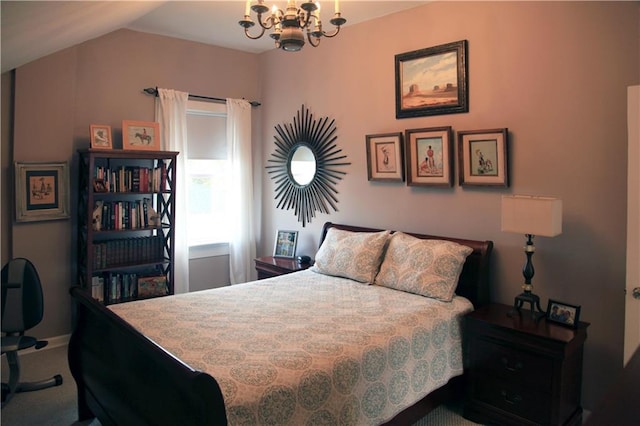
{"points": [[22, 309]]}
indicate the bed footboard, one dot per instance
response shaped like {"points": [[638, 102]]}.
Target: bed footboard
{"points": [[125, 378]]}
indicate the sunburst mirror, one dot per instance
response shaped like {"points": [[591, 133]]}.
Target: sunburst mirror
{"points": [[305, 165]]}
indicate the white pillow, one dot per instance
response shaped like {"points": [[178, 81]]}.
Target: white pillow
{"points": [[354, 255], [430, 268]]}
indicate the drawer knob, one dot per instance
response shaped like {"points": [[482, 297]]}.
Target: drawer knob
{"points": [[510, 399], [511, 367]]}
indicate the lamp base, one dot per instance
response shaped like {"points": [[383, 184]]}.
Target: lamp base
{"points": [[534, 302]]}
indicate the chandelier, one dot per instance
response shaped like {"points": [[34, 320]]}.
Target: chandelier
{"points": [[288, 27]]}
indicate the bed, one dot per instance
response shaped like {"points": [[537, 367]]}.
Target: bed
{"points": [[353, 342]]}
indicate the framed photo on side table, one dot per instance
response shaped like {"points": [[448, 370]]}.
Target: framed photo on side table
{"points": [[141, 135], [483, 157], [384, 157], [432, 81], [101, 136], [563, 313], [429, 156], [42, 191], [285, 244]]}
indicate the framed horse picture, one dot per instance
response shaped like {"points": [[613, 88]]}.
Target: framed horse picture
{"points": [[140, 135]]}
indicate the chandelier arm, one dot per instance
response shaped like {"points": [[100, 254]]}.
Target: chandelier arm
{"points": [[311, 39], [246, 32], [268, 23], [333, 34]]}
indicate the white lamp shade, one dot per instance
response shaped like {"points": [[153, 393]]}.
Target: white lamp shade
{"points": [[525, 214]]}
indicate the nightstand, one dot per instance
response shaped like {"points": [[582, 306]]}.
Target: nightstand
{"points": [[521, 371], [270, 266]]}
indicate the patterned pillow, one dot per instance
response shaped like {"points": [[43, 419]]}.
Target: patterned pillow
{"points": [[430, 268], [354, 255]]}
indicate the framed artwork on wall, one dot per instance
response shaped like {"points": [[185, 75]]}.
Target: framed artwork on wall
{"points": [[385, 157], [285, 244], [42, 191], [432, 81], [101, 136], [140, 135], [429, 156], [483, 157]]}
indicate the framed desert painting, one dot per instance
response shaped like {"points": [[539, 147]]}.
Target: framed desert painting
{"points": [[432, 81]]}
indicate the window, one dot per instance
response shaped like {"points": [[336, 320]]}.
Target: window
{"points": [[208, 179]]}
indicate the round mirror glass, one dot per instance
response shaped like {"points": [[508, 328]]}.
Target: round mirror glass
{"points": [[302, 165]]}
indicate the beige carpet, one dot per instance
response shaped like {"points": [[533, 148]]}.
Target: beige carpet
{"points": [[57, 406]]}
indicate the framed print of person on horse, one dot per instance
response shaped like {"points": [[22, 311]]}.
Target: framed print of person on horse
{"points": [[482, 157], [140, 135]]}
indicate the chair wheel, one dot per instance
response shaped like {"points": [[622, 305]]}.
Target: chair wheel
{"points": [[58, 379]]}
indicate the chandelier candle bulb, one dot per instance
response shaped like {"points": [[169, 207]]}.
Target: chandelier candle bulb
{"points": [[247, 10], [337, 6]]}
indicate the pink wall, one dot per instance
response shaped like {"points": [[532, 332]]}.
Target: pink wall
{"points": [[99, 82], [555, 74]]}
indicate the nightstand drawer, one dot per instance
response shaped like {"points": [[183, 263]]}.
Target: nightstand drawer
{"points": [[513, 398], [517, 366]]}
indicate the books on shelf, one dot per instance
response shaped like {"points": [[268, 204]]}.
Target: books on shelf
{"points": [[133, 179], [116, 287], [120, 215], [123, 251]]}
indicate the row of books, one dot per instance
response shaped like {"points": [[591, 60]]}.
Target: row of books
{"points": [[119, 215], [111, 253], [115, 287], [131, 179]]}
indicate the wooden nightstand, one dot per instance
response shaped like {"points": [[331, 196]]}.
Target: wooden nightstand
{"points": [[270, 266], [521, 371]]}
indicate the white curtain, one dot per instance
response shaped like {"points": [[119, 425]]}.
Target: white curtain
{"points": [[171, 113], [242, 244]]}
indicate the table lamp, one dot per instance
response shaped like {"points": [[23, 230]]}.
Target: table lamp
{"points": [[531, 216]]}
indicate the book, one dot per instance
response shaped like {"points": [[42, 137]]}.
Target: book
{"points": [[150, 286]]}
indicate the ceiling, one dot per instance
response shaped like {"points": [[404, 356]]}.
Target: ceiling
{"points": [[33, 29]]}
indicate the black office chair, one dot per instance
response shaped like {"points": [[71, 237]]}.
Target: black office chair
{"points": [[22, 309]]}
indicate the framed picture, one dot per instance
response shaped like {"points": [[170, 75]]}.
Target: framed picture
{"points": [[101, 136], [482, 157], [285, 244], [384, 157], [429, 156], [432, 81], [42, 191], [563, 313], [141, 135]]}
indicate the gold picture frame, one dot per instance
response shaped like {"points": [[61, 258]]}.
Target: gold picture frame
{"points": [[41, 191], [140, 135]]}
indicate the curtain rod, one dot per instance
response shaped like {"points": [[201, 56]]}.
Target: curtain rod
{"points": [[154, 91]]}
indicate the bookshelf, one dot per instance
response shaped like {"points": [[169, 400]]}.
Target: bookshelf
{"points": [[126, 218]]}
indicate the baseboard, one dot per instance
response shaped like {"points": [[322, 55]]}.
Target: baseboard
{"points": [[54, 342]]}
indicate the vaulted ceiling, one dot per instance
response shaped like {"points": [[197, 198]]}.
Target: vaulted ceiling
{"points": [[33, 29]]}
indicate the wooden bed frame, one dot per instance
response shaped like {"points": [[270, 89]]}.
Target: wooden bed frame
{"points": [[125, 378]]}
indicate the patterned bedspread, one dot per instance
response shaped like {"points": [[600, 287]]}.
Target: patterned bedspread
{"points": [[309, 349]]}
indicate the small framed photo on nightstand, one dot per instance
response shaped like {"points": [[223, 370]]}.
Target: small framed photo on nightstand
{"points": [[285, 244], [563, 313]]}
